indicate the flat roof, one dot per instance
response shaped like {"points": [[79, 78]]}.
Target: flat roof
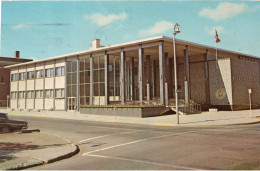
{"points": [[5, 61], [105, 48]]}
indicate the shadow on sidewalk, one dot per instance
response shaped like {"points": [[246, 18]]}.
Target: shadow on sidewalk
{"points": [[8, 149]]}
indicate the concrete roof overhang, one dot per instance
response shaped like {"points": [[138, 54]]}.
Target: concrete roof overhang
{"points": [[147, 44]]}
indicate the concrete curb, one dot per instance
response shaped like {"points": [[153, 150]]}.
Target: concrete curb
{"points": [[37, 162], [250, 123]]}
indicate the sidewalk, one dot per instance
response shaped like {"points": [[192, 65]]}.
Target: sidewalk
{"points": [[23, 150], [203, 119]]}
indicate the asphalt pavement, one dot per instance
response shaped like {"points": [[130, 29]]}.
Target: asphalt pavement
{"points": [[120, 146], [113, 142]]}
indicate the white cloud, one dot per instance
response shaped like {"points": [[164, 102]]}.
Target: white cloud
{"points": [[224, 10], [103, 20], [211, 31], [159, 27], [21, 26]]}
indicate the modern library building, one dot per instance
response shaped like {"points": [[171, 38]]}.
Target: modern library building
{"points": [[137, 73]]}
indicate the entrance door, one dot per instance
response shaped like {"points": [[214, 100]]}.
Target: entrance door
{"points": [[72, 103]]}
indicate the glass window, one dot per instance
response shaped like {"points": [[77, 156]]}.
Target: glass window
{"points": [[59, 71], [87, 90], [81, 74], [82, 90], [101, 89], [95, 62], [49, 72], [33, 94], [13, 95], [74, 78], [21, 94], [69, 66], [102, 75], [69, 78], [22, 76], [96, 89], [16, 76], [59, 93], [62, 93], [2, 79], [102, 62], [39, 74], [87, 76], [62, 70], [49, 93], [87, 64], [96, 76], [74, 66], [30, 75], [74, 91], [30, 94], [69, 90], [82, 64], [39, 94]]}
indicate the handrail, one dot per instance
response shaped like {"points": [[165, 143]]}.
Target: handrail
{"points": [[188, 108]]}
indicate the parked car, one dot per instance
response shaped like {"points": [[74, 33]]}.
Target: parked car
{"points": [[7, 124]]}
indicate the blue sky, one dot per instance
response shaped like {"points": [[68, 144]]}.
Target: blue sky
{"points": [[42, 29]]}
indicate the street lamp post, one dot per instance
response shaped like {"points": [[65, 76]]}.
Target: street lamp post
{"points": [[175, 31]]}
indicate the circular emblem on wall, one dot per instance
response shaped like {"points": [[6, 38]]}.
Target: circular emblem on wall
{"points": [[220, 93]]}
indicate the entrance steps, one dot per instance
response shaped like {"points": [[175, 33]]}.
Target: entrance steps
{"points": [[185, 108]]}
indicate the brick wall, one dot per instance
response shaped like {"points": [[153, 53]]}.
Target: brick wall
{"points": [[245, 75], [197, 82], [4, 86]]}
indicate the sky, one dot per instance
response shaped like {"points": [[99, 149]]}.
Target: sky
{"points": [[43, 29]]}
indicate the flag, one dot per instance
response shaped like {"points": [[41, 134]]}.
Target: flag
{"points": [[216, 37]]}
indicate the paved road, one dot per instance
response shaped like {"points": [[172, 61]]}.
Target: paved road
{"points": [[125, 147]]}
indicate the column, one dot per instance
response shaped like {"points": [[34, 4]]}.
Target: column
{"points": [[54, 83], [17, 104], [206, 64], [166, 78], [44, 76], [154, 78], [91, 80], [140, 73], [25, 98], [106, 79], [169, 82], [187, 75], [10, 94], [65, 82], [161, 72], [148, 78], [132, 78], [78, 88], [122, 76], [114, 77]]}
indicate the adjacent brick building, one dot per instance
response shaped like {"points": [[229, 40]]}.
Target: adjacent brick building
{"points": [[5, 76]]}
